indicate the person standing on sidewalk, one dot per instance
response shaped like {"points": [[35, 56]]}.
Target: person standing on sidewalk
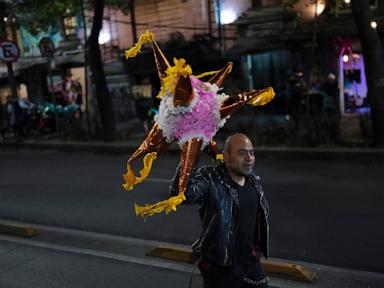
{"points": [[234, 216]]}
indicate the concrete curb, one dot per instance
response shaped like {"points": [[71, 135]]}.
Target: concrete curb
{"points": [[18, 230], [130, 146], [272, 268], [72, 146]]}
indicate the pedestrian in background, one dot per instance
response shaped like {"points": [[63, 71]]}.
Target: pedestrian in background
{"points": [[234, 216]]}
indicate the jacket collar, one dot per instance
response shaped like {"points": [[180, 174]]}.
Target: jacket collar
{"points": [[225, 178], [223, 173]]}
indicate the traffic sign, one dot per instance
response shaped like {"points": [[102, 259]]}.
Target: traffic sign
{"points": [[9, 51], [46, 46]]}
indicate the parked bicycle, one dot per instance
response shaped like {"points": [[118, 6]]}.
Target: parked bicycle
{"points": [[33, 121]]}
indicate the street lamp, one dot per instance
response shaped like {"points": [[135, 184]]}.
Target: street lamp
{"points": [[228, 16], [104, 37]]}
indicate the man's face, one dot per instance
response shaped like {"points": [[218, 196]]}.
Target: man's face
{"points": [[240, 158]]}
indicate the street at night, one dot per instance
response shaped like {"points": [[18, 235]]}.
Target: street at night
{"points": [[104, 102], [326, 211]]}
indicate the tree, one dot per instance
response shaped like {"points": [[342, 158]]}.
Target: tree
{"points": [[373, 60], [374, 65], [38, 15], [102, 95]]}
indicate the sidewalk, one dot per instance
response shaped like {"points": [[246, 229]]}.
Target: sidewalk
{"points": [[62, 257], [129, 146]]}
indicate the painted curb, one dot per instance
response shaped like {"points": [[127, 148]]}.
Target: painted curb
{"points": [[18, 230], [287, 271], [272, 268]]}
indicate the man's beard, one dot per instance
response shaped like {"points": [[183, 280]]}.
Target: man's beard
{"points": [[242, 172]]}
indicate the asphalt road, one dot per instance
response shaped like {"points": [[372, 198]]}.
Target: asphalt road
{"points": [[28, 266], [325, 211]]}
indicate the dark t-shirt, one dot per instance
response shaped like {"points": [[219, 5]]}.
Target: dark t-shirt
{"points": [[244, 258]]}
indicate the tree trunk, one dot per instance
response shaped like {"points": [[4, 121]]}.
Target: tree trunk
{"points": [[374, 66], [104, 100], [133, 22]]}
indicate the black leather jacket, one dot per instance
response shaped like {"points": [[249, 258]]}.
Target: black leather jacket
{"points": [[219, 209]]}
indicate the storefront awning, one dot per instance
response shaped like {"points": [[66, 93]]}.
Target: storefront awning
{"points": [[75, 59]]}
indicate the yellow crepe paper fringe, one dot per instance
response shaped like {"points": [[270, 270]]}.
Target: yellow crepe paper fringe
{"points": [[263, 98], [131, 180], [206, 74], [180, 68], [144, 38], [168, 205], [219, 157], [169, 82]]}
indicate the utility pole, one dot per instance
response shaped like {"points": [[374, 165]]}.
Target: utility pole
{"points": [[220, 28], [209, 18], [3, 36], [311, 63]]}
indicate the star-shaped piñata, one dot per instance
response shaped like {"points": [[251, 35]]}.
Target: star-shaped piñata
{"points": [[191, 112]]}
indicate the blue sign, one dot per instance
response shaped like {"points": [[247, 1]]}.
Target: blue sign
{"points": [[9, 51]]}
